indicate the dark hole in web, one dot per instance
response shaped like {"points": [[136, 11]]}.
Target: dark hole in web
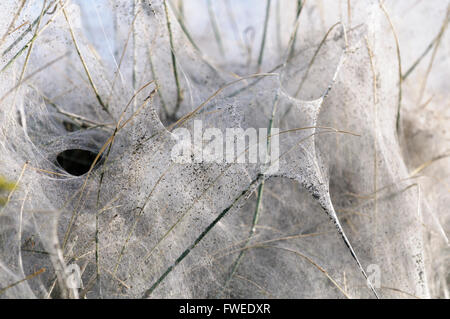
{"points": [[76, 161]]}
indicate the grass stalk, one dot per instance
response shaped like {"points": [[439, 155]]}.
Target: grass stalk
{"points": [[186, 252], [10, 28], [83, 62], [28, 30], [257, 212], [174, 61], [433, 56], [215, 28], [300, 5], [263, 41], [399, 59], [40, 271]]}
